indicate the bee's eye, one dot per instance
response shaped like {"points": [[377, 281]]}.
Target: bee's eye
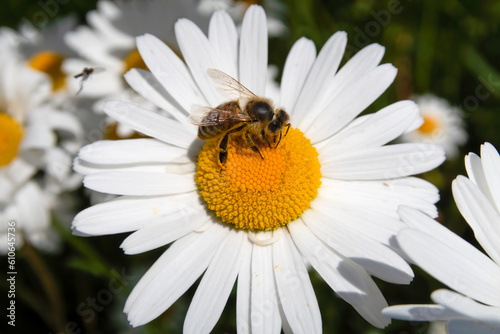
{"points": [[262, 111], [275, 125]]}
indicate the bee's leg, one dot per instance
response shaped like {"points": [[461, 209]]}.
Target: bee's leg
{"points": [[279, 140], [252, 144], [223, 144], [264, 138], [287, 128]]}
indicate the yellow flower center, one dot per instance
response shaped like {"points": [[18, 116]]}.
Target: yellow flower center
{"points": [[133, 60], [49, 62], [255, 193], [11, 134], [430, 125]]}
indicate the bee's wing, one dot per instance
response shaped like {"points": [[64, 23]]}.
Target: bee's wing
{"points": [[229, 87], [206, 116], [98, 69]]}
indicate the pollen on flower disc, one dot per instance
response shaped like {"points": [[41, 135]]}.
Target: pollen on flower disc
{"points": [[255, 193], [10, 138]]}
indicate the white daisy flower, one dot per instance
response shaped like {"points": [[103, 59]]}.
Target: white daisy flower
{"points": [[34, 136], [109, 41], [443, 125], [474, 306], [327, 195], [44, 51]]}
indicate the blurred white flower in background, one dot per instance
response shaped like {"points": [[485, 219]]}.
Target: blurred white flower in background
{"points": [[37, 144], [443, 125], [109, 40], [237, 8], [44, 50]]}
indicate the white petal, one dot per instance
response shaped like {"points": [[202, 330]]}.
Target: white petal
{"points": [[125, 214], [383, 196], [7, 187], [375, 225], [172, 274], [18, 171], [37, 137], [216, 284], [420, 312], [58, 165], [295, 291], [313, 94], [376, 130], [461, 326], [475, 171], [150, 123], [253, 50], [91, 46], [34, 214], [105, 27], [467, 307], [355, 69], [479, 213], [371, 309], [86, 168], [223, 36], [374, 257], [145, 83], [350, 102], [130, 151], [359, 65], [459, 265], [491, 166], [199, 56], [264, 308], [335, 269], [170, 71], [297, 66], [385, 162], [66, 122], [160, 231], [243, 293], [139, 183]]}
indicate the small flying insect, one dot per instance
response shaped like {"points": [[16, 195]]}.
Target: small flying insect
{"points": [[85, 74], [247, 115]]}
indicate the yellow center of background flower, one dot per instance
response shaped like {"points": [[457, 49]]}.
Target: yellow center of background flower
{"points": [[133, 60], [49, 62], [10, 138], [430, 125], [259, 194]]}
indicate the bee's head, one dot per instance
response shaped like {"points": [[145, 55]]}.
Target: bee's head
{"points": [[262, 111], [279, 121]]}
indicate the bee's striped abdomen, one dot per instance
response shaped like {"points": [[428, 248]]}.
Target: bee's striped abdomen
{"points": [[207, 132]]}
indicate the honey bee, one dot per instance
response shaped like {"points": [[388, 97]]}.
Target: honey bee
{"points": [[247, 115]]}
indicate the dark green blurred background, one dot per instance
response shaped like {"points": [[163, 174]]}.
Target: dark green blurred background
{"points": [[450, 48]]}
